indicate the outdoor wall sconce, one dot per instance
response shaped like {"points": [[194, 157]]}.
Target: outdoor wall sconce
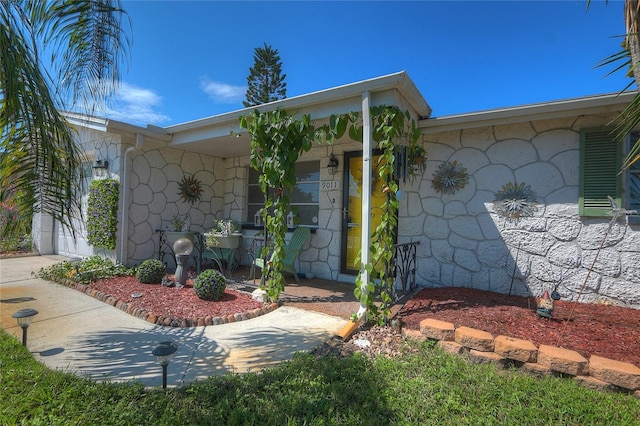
{"points": [[164, 354], [333, 165], [182, 249], [24, 317], [100, 167]]}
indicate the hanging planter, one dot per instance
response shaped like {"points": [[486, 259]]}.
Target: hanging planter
{"points": [[515, 201], [450, 178], [416, 160], [102, 210]]}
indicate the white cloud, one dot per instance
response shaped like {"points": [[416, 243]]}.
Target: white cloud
{"points": [[137, 104], [222, 93]]}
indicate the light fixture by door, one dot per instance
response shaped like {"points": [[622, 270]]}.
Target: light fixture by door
{"points": [[333, 164], [100, 167]]}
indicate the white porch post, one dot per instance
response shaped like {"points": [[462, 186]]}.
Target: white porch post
{"points": [[125, 201], [366, 195]]}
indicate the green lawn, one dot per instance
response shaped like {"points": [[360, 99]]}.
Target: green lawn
{"points": [[426, 388]]}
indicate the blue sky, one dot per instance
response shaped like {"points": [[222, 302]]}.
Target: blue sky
{"points": [[190, 59]]}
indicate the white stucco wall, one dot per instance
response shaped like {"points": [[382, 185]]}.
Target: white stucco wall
{"points": [[464, 243]]}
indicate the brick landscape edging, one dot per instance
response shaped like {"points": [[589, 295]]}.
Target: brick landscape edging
{"points": [[171, 322], [482, 347]]}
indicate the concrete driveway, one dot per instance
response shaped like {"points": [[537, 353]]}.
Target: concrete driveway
{"points": [[77, 333]]}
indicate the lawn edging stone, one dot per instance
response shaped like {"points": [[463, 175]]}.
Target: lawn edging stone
{"points": [[481, 347], [623, 374]]}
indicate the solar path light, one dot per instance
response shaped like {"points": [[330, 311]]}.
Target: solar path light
{"points": [[164, 353], [24, 317]]}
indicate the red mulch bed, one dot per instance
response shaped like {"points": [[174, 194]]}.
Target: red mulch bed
{"points": [[173, 302], [589, 329]]}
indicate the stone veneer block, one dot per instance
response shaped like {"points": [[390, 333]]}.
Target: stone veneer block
{"points": [[414, 334], [516, 349], [563, 360], [439, 330], [593, 383], [452, 348], [474, 339], [483, 357], [534, 369], [622, 374]]}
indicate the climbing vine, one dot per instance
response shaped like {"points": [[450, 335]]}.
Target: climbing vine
{"points": [[277, 141], [102, 210], [391, 129]]}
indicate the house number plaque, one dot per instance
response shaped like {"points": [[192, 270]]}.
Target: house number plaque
{"points": [[329, 184]]}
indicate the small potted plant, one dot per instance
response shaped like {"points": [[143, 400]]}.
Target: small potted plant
{"points": [[180, 229], [225, 234]]}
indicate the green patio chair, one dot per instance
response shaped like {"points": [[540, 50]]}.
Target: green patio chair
{"points": [[291, 251]]}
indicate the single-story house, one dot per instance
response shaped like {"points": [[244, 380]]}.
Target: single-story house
{"points": [[555, 161]]}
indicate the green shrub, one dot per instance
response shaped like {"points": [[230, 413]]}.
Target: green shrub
{"points": [[210, 285], [150, 271], [84, 271]]}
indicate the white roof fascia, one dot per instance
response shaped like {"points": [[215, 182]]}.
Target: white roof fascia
{"points": [[150, 131], [547, 110], [87, 121], [113, 126], [398, 80]]}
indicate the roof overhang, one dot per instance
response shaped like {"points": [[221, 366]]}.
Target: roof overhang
{"points": [[541, 111], [221, 136], [127, 131]]}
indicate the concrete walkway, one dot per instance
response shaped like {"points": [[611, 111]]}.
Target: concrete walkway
{"points": [[77, 333]]}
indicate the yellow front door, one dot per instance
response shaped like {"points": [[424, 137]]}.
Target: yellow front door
{"points": [[352, 213]]}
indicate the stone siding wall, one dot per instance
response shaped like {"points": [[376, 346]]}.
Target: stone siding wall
{"points": [[465, 243], [321, 254], [155, 174]]}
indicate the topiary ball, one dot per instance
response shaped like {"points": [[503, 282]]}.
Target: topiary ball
{"points": [[150, 271], [210, 285]]}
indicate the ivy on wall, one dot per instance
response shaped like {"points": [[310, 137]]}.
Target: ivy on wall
{"points": [[391, 129], [102, 210], [277, 141]]}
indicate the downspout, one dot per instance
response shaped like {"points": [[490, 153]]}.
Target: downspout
{"points": [[124, 207], [367, 153]]}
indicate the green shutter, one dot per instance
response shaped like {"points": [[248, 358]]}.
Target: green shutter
{"points": [[600, 162]]}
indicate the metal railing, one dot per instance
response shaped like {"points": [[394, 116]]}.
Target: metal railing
{"points": [[404, 266]]}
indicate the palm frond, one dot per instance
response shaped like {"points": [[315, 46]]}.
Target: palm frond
{"points": [[89, 44], [38, 153]]}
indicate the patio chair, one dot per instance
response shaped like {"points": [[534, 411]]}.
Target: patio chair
{"points": [[291, 251]]}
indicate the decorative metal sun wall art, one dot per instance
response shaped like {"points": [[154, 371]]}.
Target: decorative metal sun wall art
{"points": [[515, 201], [190, 189], [450, 178]]}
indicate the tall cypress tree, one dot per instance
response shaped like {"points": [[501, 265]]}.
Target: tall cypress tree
{"points": [[265, 80]]}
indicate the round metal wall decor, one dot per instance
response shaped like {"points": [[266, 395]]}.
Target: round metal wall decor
{"points": [[450, 178], [190, 189], [515, 201]]}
